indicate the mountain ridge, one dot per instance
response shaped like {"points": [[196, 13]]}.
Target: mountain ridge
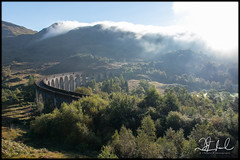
{"points": [[97, 46], [13, 30]]}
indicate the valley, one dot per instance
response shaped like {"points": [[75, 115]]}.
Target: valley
{"points": [[164, 99]]}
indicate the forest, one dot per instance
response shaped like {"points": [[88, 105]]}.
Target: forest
{"points": [[141, 123], [120, 121]]}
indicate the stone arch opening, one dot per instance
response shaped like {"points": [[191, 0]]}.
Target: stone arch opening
{"points": [[56, 83], [61, 83], [66, 83], [52, 83], [71, 83], [77, 81]]}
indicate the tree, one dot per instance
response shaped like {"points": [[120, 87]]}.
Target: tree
{"points": [[148, 127], [67, 125], [203, 130], [177, 138], [234, 105], [159, 128], [188, 150], [146, 136], [83, 90], [170, 103], [94, 106], [126, 86], [139, 91], [168, 149], [107, 152], [31, 80], [91, 105], [145, 84], [231, 120], [106, 87], [152, 99], [92, 84], [183, 96], [29, 91], [145, 147], [174, 120], [124, 143], [123, 110], [172, 143]]}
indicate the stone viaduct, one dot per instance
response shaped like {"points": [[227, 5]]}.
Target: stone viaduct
{"points": [[55, 89]]}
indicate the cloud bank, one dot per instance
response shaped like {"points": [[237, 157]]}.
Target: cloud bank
{"points": [[147, 35], [62, 27], [206, 26]]}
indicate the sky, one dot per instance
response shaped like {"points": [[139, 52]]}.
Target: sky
{"points": [[216, 23], [39, 15]]}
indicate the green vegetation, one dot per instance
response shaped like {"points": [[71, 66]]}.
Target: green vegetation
{"points": [[115, 122], [18, 109], [121, 125], [19, 94], [198, 98], [83, 90], [12, 149], [171, 68]]}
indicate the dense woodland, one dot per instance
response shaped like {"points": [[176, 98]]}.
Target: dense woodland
{"points": [[118, 122], [141, 123]]}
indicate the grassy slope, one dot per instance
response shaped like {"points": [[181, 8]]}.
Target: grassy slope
{"points": [[134, 83], [11, 30], [15, 142]]}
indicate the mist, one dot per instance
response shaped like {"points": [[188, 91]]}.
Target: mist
{"points": [[216, 23], [156, 39]]}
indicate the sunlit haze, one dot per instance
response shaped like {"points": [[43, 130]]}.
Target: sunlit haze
{"points": [[215, 22]]}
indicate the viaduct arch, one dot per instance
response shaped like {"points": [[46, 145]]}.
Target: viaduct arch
{"points": [[55, 89]]}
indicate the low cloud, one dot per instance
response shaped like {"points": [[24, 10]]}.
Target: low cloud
{"points": [[147, 35], [202, 27], [62, 27]]}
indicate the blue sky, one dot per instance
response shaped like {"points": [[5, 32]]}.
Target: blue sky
{"points": [[38, 15]]}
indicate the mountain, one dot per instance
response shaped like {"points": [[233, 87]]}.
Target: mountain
{"points": [[74, 46], [12, 30], [90, 39], [112, 40]]}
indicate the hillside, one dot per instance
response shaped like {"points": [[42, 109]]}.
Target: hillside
{"points": [[12, 30], [58, 42], [167, 59], [94, 40]]}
